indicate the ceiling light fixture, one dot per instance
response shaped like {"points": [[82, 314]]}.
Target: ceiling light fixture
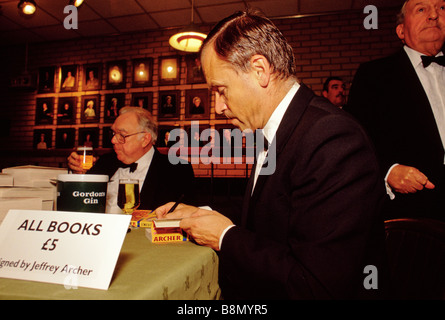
{"points": [[27, 7], [76, 3], [188, 39]]}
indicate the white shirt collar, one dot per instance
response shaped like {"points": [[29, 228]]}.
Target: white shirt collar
{"points": [[271, 127], [144, 161], [415, 56]]}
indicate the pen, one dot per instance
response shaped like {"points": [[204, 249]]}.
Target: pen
{"points": [[176, 204]]}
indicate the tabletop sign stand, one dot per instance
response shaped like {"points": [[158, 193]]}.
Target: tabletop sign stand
{"points": [[70, 248]]}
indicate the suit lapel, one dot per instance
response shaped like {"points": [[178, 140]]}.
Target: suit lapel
{"points": [[421, 107], [150, 181], [411, 79], [247, 196]]}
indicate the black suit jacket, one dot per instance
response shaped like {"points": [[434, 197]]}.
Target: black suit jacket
{"points": [[309, 229], [388, 99], [163, 183]]}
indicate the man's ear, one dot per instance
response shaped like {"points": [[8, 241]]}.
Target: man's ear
{"points": [[261, 68], [147, 140], [400, 30], [324, 93]]}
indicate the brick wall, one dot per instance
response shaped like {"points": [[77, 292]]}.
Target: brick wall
{"points": [[324, 46], [335, 45]]}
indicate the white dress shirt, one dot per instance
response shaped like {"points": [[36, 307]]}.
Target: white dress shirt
{"points": [[124, 173]]}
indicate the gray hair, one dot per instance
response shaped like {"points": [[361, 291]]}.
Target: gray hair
{"points": [[242, 35], [145, 120], [401, 14]]}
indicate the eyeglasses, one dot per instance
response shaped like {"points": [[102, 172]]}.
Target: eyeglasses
{"points": [[120, 138]]}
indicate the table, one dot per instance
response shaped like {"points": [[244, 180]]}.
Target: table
{"points": [[175, 271]]}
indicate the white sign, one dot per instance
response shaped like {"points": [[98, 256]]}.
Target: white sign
{"points": [[70, 248]]}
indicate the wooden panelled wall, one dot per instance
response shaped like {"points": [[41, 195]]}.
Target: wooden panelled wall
{"points": [[328, 45]]}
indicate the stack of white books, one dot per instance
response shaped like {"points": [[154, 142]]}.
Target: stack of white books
{"points": [[34, 176], [46, 195], [33, 188], [19, 203], [6, 180]]}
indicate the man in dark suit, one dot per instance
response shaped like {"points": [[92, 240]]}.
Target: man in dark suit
{"points": [[310, 222], [401, 102], [135, 157]]}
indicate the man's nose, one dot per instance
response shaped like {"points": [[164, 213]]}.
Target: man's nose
{"points": [[434, 13], [220, 104]]}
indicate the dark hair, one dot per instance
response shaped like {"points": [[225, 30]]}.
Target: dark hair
{"points": [[243, 34], [326, 83]]}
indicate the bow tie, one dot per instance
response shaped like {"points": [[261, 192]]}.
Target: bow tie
{"points": [[132, 166], [427, 60]]}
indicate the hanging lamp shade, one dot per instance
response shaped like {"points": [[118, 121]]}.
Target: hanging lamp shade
{"points": [[76, 3], [188, 39], [27, 7]]}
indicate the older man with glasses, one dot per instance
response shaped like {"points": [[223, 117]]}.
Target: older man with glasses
{"points": [[134, 134]]}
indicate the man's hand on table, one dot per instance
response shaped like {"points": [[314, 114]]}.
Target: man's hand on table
{"points": [[205, 226]]}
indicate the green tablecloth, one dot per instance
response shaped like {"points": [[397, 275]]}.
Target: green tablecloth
{"points": [[144, 270]]}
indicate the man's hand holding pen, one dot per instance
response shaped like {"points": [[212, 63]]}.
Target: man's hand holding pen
{"points": [[205, 226]]}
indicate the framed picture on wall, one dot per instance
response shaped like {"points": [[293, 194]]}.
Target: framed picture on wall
{"points": [[90, 109], [194, 69], [44, 110], [92, 74], [116, 74], [169, 104], [89, 137], [46, 79], [68, 78], [169, 70], [164, 135], [113, 103], [194, 132], [42, 139], [143, 100], [66, 110], [65, 138], [142, 72], [197, 104]]}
